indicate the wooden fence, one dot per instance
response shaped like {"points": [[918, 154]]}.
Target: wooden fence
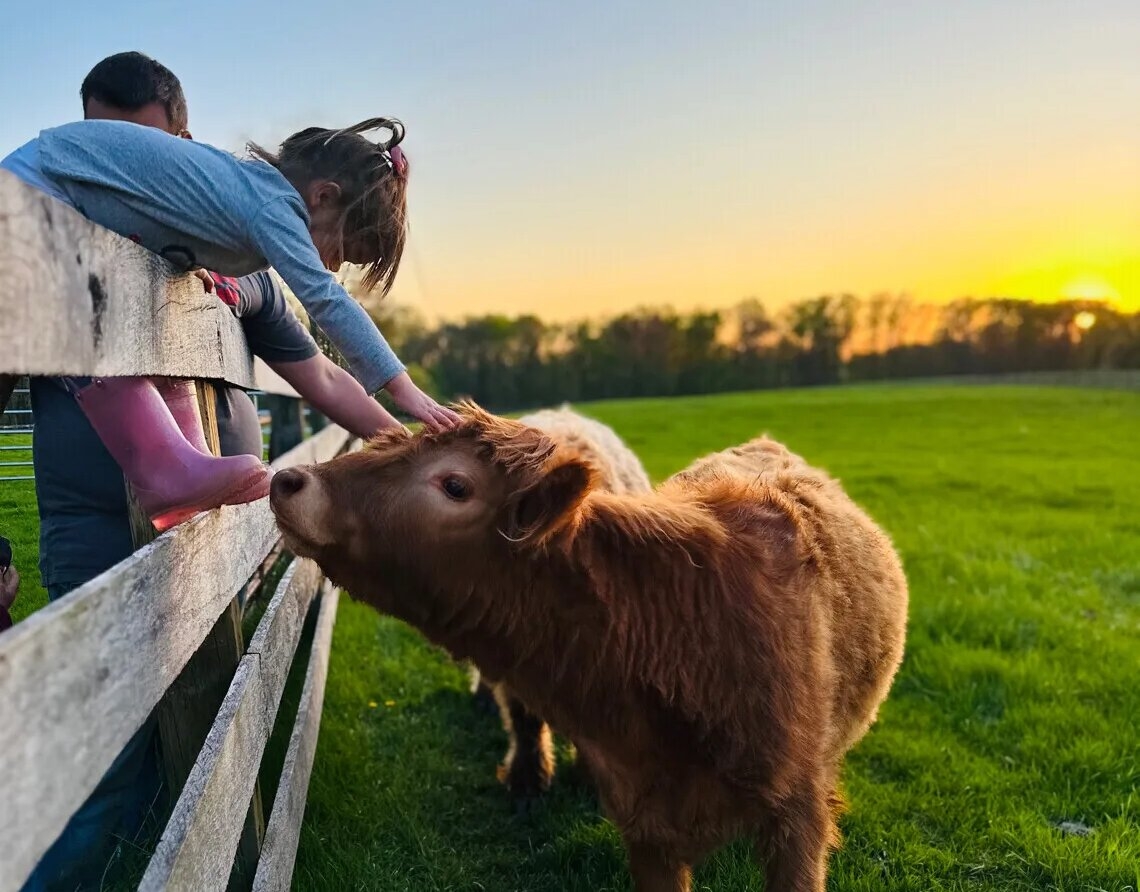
{"points": [[159, 633]]}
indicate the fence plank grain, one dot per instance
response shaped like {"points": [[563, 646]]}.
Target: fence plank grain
{"points": [[81, 300], [79, 677], [283, 833], [197, 849]]}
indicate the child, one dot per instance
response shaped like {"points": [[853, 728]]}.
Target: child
{"points": [[328, 197], [133, 87]]}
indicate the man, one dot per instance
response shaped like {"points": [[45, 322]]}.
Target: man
{"points": [[84, 520]]}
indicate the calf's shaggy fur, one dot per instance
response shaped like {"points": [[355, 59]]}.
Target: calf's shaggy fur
{"points": [[528, 768], [713, 647]]}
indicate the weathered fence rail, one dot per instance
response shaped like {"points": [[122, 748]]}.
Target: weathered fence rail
{"points": [[81, 676]]}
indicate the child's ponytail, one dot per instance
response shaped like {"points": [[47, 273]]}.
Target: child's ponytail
{"points": [[392, 125], [373, 178]]}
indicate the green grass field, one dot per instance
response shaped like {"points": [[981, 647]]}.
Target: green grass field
{"points": [[1017, 708]]}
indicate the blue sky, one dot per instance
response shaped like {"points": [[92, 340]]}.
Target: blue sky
{"points": [[578, 158]]}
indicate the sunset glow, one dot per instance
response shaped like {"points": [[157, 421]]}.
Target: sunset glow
{"points": [[1090, 288], [584, 159]]}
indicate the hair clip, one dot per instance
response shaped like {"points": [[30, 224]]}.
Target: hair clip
{"points": [[397, 160]]}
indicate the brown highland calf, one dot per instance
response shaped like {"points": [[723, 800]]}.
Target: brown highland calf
{"points": [[712, 648]]}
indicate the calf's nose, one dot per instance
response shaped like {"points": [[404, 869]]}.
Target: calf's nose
{"points": [[287, 483]]}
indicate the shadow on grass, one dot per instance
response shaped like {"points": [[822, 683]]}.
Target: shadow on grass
{"points": [[428, 812], [404, 796]]}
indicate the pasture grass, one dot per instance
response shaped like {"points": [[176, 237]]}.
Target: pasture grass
{"points": [[1016, 709]]}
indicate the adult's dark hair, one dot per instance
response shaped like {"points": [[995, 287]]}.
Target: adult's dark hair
{"points": [[131, 80]]}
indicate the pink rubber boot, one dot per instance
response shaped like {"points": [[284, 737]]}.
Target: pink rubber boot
{"points": [[171, 478], [182, 401]]}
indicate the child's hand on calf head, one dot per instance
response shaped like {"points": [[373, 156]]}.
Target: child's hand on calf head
{"points": [[418, 404]]}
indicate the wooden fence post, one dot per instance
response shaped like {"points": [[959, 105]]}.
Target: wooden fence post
{"points": [[187, 711]]}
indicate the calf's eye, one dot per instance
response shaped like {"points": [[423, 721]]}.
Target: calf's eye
{"points": [[455, 488]]}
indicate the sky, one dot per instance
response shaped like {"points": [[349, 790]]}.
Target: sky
{"points": [[579, 159]]}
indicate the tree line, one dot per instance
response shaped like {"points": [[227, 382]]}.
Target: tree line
{"points": [[518, 362]]}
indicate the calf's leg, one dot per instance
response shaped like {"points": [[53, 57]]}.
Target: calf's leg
{"points": [[528, 768], [795, 851], [653, 870]]}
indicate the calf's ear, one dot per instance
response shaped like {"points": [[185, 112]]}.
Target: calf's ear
{"points": [[544, 508]]}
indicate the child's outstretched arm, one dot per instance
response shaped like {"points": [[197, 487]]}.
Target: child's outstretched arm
{"points": [[334, 392], [282, 237]]}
